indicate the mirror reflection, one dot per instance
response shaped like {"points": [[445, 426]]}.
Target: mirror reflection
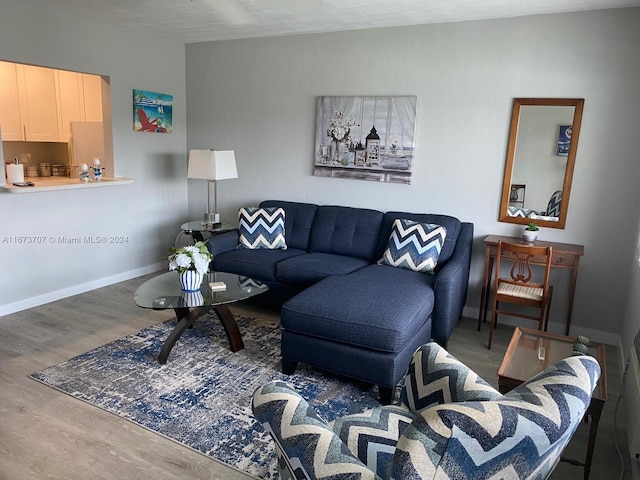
{"points": [[540, 159]]}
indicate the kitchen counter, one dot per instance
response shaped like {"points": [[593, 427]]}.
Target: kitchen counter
{"points": [[47, 184]]}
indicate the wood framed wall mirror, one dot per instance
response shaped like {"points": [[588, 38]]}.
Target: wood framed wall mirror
{"points": [[541, 155]]}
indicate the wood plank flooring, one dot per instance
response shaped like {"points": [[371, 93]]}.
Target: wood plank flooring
{"points": [[47, 434]]}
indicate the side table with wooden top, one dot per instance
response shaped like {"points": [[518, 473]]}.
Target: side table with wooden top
{"points": [[565, 255], [532, 351]]}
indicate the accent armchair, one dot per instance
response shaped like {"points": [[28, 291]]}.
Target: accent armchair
{"points": [[450, 424]]}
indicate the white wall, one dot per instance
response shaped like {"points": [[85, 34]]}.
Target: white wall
{"points": [[148, 212], [258, 97]]}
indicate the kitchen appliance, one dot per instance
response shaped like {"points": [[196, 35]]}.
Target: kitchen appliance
{"points": [[87, 143]]}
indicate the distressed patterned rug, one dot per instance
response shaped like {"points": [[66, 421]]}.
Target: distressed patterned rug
{"points": [[201, 397]]}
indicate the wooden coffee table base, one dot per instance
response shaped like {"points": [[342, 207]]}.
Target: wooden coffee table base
{"points": [[186, 317]]}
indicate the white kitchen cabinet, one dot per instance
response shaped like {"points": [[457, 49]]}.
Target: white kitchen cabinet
{"points": [[70, 102], [79, 99], [92, 97], [38, 106], [10, 120]]}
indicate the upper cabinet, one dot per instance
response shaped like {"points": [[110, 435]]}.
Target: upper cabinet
{"points": [[38, 107], [70, 105], [79, 100], [38, 104], [92, 97], [10, 120]]}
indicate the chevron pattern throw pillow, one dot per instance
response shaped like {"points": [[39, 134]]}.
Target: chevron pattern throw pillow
{"points": [[261, 228], [415, 246]]}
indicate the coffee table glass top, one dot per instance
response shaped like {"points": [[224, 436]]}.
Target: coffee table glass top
{"points": [[163, 292], [532, 351]]}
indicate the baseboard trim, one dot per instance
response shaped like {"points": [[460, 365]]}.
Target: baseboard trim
{"points": [[77, 289]]}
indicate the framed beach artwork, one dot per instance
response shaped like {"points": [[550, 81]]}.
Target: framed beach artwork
{"points": [[365, 138], [152, 112]]}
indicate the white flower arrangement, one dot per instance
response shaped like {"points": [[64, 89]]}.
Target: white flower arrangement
{"points": [[196, 257], [339, 127]]}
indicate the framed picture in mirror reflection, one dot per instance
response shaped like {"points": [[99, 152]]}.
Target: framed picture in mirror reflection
{"points": [[564, 140]]}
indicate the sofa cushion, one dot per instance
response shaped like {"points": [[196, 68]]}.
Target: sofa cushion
{"points": [[348, 231], [415, 246], [297, 223], [261, 228], [383, 315], [452, 224], [259, 264], [313, 267]]}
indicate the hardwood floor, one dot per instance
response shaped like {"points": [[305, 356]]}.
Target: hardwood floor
{"points": [[47, 434]]}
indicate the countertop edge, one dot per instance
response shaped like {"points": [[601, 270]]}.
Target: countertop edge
{"points": [[107, 182]]}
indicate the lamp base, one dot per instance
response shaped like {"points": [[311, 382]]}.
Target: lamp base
{"points": [[212, 219]]}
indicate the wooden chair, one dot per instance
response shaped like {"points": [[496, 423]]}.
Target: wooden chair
{"points": [[518, 286]]}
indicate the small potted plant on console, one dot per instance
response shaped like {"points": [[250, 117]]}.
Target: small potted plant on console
{"points": [[530, 233]]}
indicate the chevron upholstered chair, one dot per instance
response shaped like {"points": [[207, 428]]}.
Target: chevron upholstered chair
{"points": [[450, 424]]}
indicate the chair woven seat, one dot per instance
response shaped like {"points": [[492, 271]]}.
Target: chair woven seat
{"points": [[520, 291]]}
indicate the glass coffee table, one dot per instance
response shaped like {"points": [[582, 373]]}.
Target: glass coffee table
{"points": [[532, 351], [163, 292]]}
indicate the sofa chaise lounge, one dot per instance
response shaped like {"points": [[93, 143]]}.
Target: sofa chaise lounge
{"points": [[342, 310]]}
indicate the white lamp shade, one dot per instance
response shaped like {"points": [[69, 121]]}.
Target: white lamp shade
{"points": [[212, 164]]}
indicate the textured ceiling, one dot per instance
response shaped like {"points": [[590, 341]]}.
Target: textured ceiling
{"points": [[192, 21]]}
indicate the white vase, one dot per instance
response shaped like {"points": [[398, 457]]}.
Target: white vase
{"points": [[529, 236], [191, 280]]}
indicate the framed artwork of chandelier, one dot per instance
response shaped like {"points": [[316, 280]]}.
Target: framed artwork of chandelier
{"points": [[366, 138]]}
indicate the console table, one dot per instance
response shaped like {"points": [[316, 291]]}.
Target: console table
{"points": [[565, 255]]}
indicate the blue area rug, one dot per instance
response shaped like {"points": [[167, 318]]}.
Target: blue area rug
{"points": [[201, 397]]}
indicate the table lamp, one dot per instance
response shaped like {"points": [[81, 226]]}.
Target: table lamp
{"points": [[212, 165]]}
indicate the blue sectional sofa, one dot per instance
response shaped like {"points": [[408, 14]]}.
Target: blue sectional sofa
{"points": [[341, 310]]}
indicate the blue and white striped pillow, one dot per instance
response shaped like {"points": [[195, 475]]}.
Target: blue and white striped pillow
{"points": [[261, 228], [415, 246]]}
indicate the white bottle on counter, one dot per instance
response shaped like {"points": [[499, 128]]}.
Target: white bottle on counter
{"points": [[15, 172]]}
